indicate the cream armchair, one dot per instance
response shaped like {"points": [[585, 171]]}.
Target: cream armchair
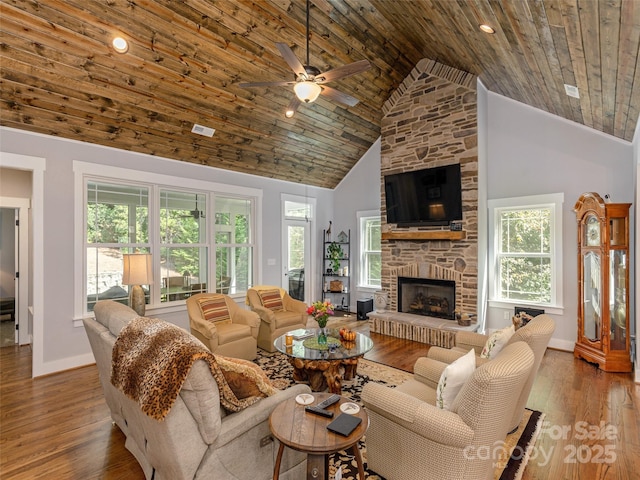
{"points": [[536, 334], [223, 326], [276, 316], [409, 437]]}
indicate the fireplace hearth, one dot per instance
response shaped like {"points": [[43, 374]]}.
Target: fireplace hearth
{"points": [[427, 296]]}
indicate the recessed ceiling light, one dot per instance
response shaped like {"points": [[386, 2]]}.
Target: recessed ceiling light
{"points": [[120, 45], [486, 28], [289, 113]]}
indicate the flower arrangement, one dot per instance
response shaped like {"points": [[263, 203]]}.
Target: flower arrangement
{"points": [[321, 311]]}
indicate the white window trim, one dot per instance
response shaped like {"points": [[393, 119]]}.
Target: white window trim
{"points": [[111, 174], [360, 215], [555, 200]]}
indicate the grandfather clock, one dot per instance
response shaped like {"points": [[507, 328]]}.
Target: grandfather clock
{"points": [[603, 283]]}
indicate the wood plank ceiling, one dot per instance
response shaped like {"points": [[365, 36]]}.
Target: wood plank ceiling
{"points": [[61, 77]]}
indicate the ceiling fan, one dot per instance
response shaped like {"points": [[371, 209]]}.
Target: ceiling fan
{"points": [[309, 82]]}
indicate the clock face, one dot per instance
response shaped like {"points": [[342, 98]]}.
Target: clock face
{"points": [[592, 230]]}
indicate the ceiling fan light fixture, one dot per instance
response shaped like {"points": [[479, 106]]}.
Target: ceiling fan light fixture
{"points": [[307, 91]]}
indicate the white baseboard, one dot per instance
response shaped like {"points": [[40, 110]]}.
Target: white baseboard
{"points": [[65, 364], [560, 344]]}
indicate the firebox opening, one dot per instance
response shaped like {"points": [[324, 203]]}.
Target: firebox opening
{"points": [[427, 296]]}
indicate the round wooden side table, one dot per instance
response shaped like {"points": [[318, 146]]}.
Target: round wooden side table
{"points": [[306, 432]]}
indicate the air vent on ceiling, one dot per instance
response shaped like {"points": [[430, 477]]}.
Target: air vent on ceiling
{"points": [[201, 130], [572, 91]]}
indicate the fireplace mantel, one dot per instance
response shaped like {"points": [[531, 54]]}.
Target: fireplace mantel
{"points": [[425, 235]]}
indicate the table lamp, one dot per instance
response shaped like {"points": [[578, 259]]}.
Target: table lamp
{"points": [[137, 272]]}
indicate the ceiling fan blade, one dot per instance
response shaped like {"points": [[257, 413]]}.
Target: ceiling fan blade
{"points": [[344, 71], [282, 83], [292, 107], [339, 96], [291, 59]]}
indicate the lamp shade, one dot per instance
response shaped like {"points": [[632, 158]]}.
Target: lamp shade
{"points": [[137, 269], [307, 91]]}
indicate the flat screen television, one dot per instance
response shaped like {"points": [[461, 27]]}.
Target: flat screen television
{"points": [[431, 196]]}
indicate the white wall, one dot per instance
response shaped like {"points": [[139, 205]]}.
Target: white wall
{"points": [[358, 191], [532, 152], [66, 346]]}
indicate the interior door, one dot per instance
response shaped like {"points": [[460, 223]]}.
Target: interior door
{"points": [[296, 258]]}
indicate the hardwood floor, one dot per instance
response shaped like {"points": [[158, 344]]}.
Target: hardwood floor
{"points": [[59, 426]]}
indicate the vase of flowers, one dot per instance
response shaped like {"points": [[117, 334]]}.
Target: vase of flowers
{"points": [[321, 311]]}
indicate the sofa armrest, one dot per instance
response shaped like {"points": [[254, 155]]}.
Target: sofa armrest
{"points": [[236, 424], [440, 426], [203, 328], [428, 371], [445, 355], [471, 340], [247, 317], [266, 316], [292, 305]]}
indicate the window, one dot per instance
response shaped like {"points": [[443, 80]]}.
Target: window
{"points": [[173, 225], [526, 248], [117, 222], [370, 252], [234, 244]]}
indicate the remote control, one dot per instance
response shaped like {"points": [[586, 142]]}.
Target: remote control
{"points": [[329, 401], [319, 411]]}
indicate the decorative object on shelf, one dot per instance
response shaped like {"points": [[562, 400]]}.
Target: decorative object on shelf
{"points": [[603, 279], [328, 233], [321, 311], [335, 286], [137, 271], [335, 254], [342, 237], [380, 298]]}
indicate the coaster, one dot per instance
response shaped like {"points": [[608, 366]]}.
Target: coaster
{"points": [[305, 399], [350, 408]]}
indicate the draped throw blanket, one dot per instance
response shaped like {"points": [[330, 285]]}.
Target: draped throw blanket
{"points": [[151, 359]]}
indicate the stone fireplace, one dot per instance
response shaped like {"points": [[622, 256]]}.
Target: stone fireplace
{"points": [[427, 296]]}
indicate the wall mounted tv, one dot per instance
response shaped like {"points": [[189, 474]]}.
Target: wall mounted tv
{"points": [[432, 196]]}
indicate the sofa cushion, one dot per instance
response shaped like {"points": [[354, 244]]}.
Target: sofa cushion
{"points": [[214, 309], [288, 319], [453, 378], [245, 378], [271, 299], [113, 315], [496, 342]]}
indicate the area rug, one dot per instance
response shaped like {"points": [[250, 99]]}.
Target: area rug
{"points": [[508, 467]]}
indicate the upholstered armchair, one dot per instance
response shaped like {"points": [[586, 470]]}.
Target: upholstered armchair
{"points": [[536, 334], [223, 326], [279, 313], [410, 437]]}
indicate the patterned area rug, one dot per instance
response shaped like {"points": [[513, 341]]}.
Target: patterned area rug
{"points": [[519, 443]]}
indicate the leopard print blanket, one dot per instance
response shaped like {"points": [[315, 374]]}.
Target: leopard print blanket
{"points": [[150, 362]]}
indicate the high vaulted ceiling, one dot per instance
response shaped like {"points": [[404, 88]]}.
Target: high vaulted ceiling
{"points": [[61, 77]]}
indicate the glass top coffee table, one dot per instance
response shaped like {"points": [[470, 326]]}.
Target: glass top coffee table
{"points": [[323, 368]]}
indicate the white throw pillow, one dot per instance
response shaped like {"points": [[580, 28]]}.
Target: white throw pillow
{"points": [[453, 378], [496, 341]]}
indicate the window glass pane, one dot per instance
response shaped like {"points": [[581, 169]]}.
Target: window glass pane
{"points": [[296, 247], [526, 278], [117, 213], [297, 209], [373, 235], [233, 237], [182, 217], [104, 275], [233, 268], [181, 268], [374, 269], [527, 231]]}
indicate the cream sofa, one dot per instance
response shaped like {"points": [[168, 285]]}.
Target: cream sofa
{"points": [[410, 438], [536, 334], [197, 438]]}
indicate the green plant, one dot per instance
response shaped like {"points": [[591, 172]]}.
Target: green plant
{"points": [[335, 255]]}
